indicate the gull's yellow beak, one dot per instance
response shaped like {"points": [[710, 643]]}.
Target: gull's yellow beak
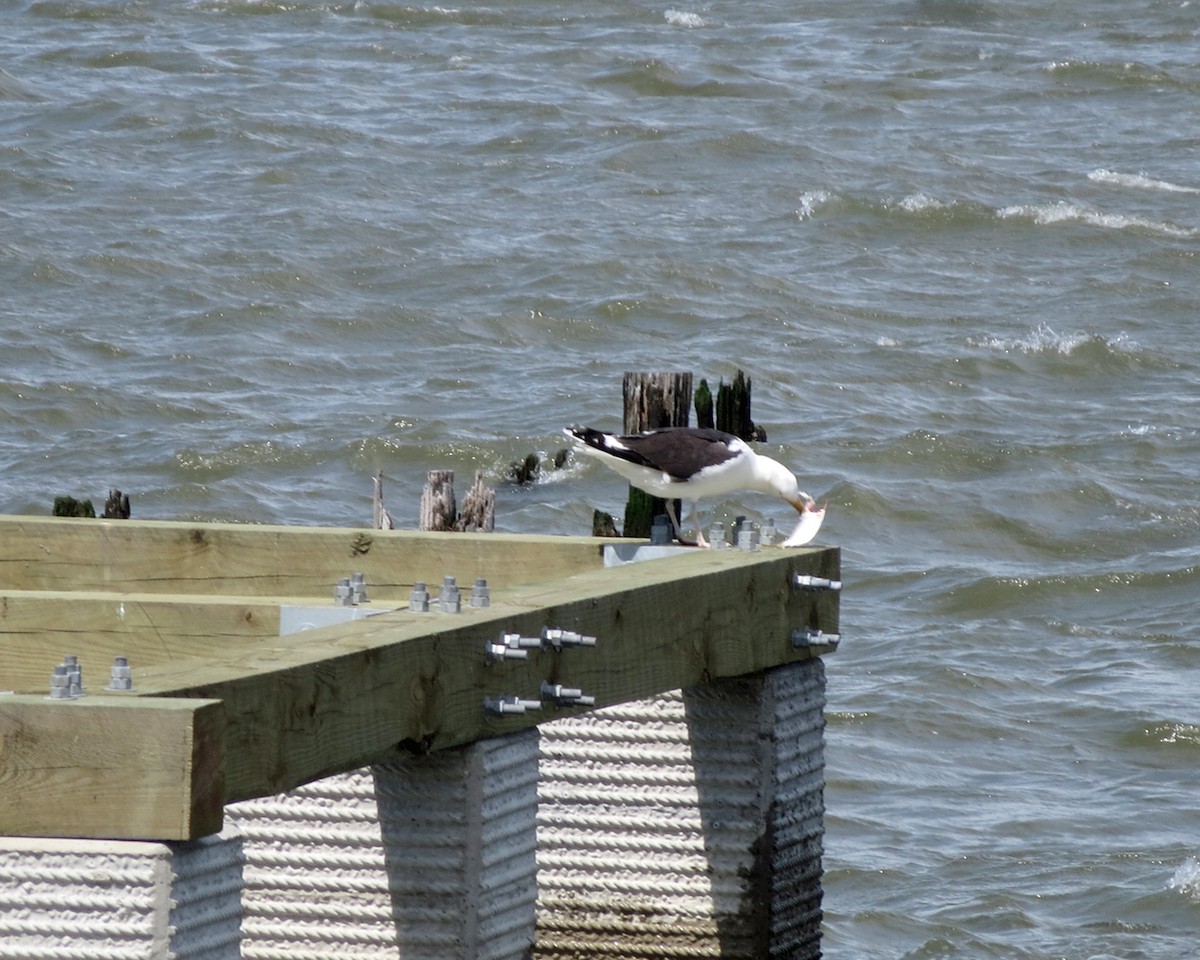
{"points": [[802, 503]]}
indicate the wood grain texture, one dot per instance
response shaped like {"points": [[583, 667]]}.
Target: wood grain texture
{"points": [[39, 627], [45, 553], [111, 767], [224, 709], [324, 701]]}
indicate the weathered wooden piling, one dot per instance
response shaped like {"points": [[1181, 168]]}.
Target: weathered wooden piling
{"points": [[116, 506], [65, 506], [478, 508], [652, 400], [733, 409], [704, 406], [439, 509]]}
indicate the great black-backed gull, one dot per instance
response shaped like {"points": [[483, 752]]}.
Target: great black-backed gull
{"points": [[688, 463]]}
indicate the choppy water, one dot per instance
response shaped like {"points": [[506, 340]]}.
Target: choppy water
{"points": [[252, 252]]}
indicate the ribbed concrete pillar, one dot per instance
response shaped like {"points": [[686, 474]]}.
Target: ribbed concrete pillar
{"points": [[429, 857], [459, 831], [316, 880], [688, 825], [120, 900]]}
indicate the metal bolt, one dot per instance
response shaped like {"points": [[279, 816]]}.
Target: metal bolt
{"points": [[74, 676], [572, 696], [766, 533], [500, 651], [660, 530], [418, 600], [557, 638], [806, 581], [480, 595], [121, 675], [515, 640], [509, 704], [358, 587], [449, 597], [747, 538], [716, 536], [60, 683], [343, 595], [511, 646], [810, 637]]}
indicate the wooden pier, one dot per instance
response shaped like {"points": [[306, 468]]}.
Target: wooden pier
{"points": [[224, 709]]}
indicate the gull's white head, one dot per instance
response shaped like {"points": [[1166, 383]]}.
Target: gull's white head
{"points": [[778, 479]]}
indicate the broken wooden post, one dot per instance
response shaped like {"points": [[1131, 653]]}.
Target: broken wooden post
{"points": [[704, 406], [438, 509], [733, 409], [652, 400], [70, 507], [381, 516], [603, 524], [116, 507], [525, 471], [478, 508]]}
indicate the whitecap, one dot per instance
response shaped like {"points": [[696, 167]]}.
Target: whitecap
{"points": [[680, 18], [916, 202], [1138, 180], [1045, 339], [1187, 879], [1061, 211], [809, 203]]}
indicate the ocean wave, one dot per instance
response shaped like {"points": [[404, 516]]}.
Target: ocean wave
{"points": [[1186, 879], [1171, 732], [680, 18], [919, 203], [918, 207], [77, 10], [1045, 340], [1062, 211], [1055, 593], [224, 463], [810, 202], [1119, 71], [1138, 180]]}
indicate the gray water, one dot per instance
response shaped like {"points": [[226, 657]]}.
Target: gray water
{"points": [[253, 252]]}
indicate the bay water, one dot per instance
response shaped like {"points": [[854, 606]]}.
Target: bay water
{"points": [[254, 251]]}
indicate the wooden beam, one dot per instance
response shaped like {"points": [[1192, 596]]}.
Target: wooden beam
{"points": [[224, 709], [109, 767], [139, 556], [324, 701], [39, 627]]}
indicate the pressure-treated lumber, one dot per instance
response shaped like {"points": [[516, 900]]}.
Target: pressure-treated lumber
{"points": [[316, 703], [334, 699], [39, 627], [110, 767], [195, 607], [138, 556]]}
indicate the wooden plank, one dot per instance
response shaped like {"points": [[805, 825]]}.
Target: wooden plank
{"points": [[39, 627], [129, 769], [329, 700], [140, 556]]}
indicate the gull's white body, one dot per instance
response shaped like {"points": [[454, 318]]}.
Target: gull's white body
{"points": [[691, 463]]}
